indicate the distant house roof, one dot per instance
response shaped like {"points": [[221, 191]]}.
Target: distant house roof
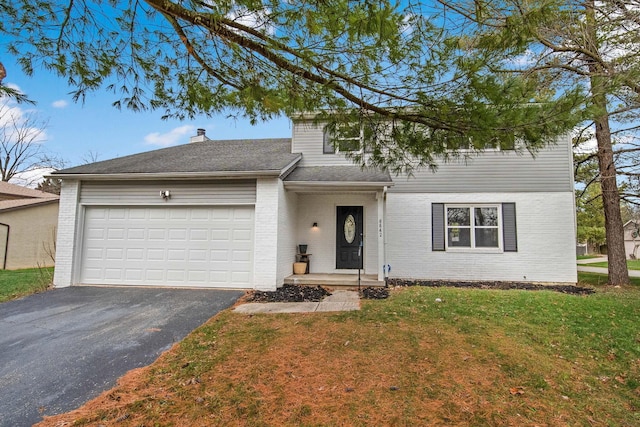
{"points": [[12, 192], [17, 197], [10, 205], [208, 158]]}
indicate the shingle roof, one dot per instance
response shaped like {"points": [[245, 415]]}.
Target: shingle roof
{"points": [[9, 205], [18, 191], [255, 155], [338, 174]]}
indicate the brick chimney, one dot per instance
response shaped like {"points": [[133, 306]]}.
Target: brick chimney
{"points": [[201, 136]]}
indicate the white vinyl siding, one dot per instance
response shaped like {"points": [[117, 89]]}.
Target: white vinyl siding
{"points": [[496, 171], [168, 246], [308, 139], [550, 169], [185, 193]]}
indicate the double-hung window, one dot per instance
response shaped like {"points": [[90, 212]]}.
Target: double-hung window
{"points": [[346, 138], [473, 226], [479, 227]]}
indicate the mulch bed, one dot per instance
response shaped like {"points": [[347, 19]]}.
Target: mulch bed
{"points": [[297, 293], [374, 293], [567, 289], [290, 293]]}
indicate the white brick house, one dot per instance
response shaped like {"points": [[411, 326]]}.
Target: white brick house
{"points": [[232, 213]]}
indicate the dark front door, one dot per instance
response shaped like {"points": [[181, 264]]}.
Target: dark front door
{"points": [[348, 236]]}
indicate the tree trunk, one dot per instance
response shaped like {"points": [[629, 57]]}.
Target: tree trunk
{"points": [[618, 273]]}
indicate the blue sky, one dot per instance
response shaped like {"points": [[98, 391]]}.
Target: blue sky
{"points": [[74, 129]]}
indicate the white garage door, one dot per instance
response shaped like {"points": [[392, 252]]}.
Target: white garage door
{"points": [[170, 246]]}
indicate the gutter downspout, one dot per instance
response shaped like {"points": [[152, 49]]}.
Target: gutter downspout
{"points": [[6, 246]]}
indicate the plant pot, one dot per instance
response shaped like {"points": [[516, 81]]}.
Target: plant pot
{"points": [[303, 248], [299, 267]]}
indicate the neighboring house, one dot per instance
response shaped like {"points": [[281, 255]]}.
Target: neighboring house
{"points": [[632, 239], [28, 221], [231, 214]]}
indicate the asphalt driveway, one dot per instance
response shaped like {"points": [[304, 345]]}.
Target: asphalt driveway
{"points": [[61, 348]]}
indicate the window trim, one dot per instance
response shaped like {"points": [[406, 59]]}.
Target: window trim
{"points": [[328, 146], [472, 227]]}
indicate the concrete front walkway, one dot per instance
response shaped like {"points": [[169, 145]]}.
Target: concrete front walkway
{"points": [[337, 301]]}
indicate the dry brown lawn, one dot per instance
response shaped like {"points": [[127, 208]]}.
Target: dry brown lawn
{"points": [[402, 362]]}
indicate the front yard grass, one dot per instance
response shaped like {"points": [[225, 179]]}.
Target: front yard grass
{"points": [[18, 283], [597, 279], [632, 264], [425, 356], [587, 256]]}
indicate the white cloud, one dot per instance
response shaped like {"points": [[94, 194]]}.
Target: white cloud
{"points": [[20, 124], [258, 20], [60, 103], [30, 178], [172, 137]]}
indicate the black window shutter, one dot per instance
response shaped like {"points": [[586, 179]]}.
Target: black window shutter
{"points": [[437, 227], [509, 234]]}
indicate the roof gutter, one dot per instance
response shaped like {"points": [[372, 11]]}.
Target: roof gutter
{"points": [[131, 176], [335, 185]]}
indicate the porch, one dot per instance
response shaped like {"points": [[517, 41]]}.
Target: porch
{"points": [[340, 281]]}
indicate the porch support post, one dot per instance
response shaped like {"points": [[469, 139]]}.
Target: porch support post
{"points": [[380, 197]]}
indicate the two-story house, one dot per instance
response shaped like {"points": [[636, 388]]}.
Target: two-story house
{"points": [[232, 214]]}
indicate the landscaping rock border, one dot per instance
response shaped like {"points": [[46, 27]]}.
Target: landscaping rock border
{"points": [[374, 293], [290, 293]]}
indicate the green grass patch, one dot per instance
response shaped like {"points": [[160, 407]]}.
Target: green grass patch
{"points": [[596, 279], [587, 256], [632, 264], [18, 283]]}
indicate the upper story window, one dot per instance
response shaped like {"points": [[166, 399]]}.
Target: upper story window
{"points": [[498, 143], [346, 138]]}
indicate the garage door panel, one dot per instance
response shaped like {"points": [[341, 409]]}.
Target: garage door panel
{"points": [[115, 214], [135, 234], [154, 276], [198, 234], [196, 255], [115, 234], [135, 254], [177, 246], [133, 274]]}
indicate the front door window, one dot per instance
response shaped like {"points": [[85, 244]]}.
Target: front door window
{"points": [[349, 229]]}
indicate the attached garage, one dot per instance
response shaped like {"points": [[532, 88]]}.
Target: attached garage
{"points": [[168, 246], [200, 236], [204, 214]]}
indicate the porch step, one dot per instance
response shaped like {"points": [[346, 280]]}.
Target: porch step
{"points": [[340, 281]]}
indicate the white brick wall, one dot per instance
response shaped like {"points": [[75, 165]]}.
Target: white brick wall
{"points": [[546, 240], [287, 223], [266, 235], [67, 232]]}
